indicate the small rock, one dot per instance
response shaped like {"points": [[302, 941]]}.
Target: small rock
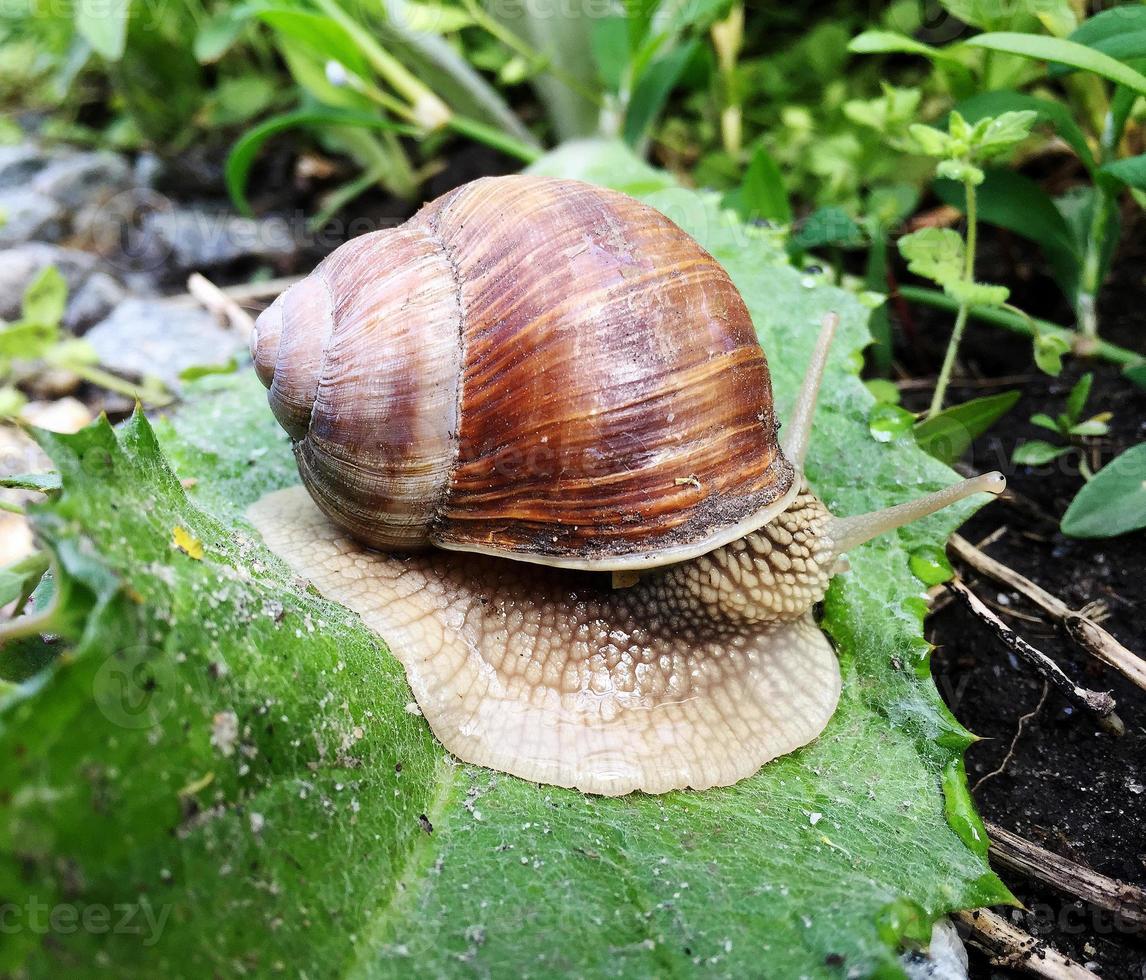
{"points": [[29, 215], [76, 179], [19, 164], [157, 338], [195, 238], [61, 415], [19, 266], [93, 301]]}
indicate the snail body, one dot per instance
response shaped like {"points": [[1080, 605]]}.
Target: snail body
{"points": [[543, 373]]}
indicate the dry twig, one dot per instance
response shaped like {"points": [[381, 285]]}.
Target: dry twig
{"points": [[1081, 627], [1099, 702], [1011, 947], [216, 301], [1128, 902]]}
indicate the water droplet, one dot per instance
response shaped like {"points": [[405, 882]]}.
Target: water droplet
{"points": [[887, 422], [929, 564]]}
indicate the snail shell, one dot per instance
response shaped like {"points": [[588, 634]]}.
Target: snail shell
{"points": [[529, 367]]}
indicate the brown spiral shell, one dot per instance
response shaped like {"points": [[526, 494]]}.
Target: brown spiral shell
{"points": [[529, 367]]}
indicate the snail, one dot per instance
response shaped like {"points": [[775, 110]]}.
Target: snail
{"points": [[536, 434]]}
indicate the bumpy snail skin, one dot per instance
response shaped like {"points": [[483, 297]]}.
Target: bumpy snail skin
{"points": [[680, 681]]}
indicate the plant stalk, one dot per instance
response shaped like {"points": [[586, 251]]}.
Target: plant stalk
{"points": [[1027, 326], [961, 317]]}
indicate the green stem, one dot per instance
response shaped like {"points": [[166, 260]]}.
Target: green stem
{"points": [[494, 137], [961, 317], [1105, 196], [111, 382], [1025, 325]]}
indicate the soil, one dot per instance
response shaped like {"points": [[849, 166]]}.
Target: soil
{"points": [[1067, 785]]}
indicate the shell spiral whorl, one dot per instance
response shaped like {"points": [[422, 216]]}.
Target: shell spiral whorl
{"points": [[528, 367]]}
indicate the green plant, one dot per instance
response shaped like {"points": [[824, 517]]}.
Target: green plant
{"points": [[1113, 501], [1085, 83], [942, 254], [1069, 426], [34, 344]]}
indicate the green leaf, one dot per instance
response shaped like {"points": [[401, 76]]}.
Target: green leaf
{"points": [[19, 580], [961, 171], [992, 136], [929, 141], [652, 91], [43, 482], [218, 34], [12, 402], [947, 435], [228, 753], [1058, 115], [1036, 452], [762, 193], [1010, 200], [1130, 171], [1091, 427], [611, 50], [937, 254], [826, 226], [1119, 32], [1076, 400], [1113, 502], [46, 298], [27, 340], [1067, 52], [892, 42], [104, 26], [1045, 421], [244, 152], [1135, 373], [1049, 349]]}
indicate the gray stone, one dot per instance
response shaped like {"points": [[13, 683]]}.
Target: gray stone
{"points": [[161, 338], [20, 265], [195, 238], [79, 178], [93, 301], [19, 164], [28, 215]]}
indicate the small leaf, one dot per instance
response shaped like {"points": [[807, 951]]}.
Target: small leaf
{"points": [[216, 37], [1002, 133], [1091, 427], [197, 371], [762, 193], [1048, 351], [104, 26], [1076, 400], [1130, 171], [46, 298], [930, 141], [947, 435], [937, 254], [1037, 453], [1057, 114], [891, 42], [883, 390], [828, 225], [1045, 421], [652, 91], [1113, 502], [1135, 373], [186, 542], [961, 171]]}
